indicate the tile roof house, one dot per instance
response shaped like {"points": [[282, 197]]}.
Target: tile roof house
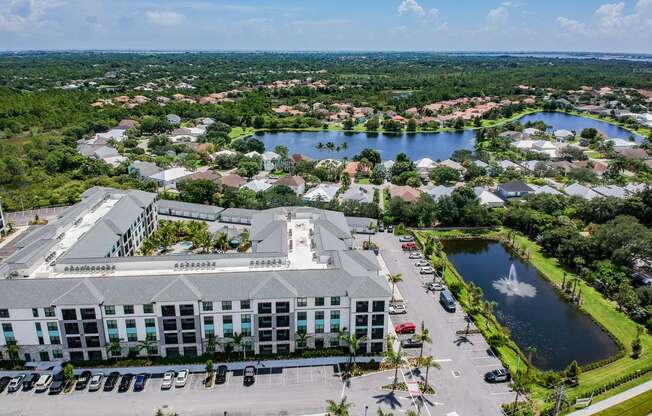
{"points": [[637, 154], [296, 183], [406, 193], [351, 169], [449, 163], [359, 193], [232, 181], [127, 124], [207, 175]]}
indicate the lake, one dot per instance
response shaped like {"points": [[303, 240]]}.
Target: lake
{"points": [[437, 146], [534, 311]]}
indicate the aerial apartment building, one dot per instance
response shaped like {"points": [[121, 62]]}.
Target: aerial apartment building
{"points": [[77, 286]]}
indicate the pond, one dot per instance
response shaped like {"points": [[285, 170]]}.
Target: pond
{"points": [[437, 146], [530, 306]]}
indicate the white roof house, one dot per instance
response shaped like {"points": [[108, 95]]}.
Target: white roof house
{"points": [[269, 160], [563, 135], [611, 190], [487, 198], [114, 160], [170, 177], [253, 153], [424, 166], [581, 191], [621, 144], [507, 164], [449, 163], [545, 189], [479, 163], [328, 163], [113, 134], [440, 191], [257, 185], [524, 144], [224, 153], [531, 131], [322, 192], [544, 146]]}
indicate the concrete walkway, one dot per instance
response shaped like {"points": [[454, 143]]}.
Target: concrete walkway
{"points": [[614, 400]]}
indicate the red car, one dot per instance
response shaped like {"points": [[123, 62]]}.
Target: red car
{"points": [[409, 246], [405, 328]]}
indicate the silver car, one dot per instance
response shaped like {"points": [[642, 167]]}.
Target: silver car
{"points": [[416, 255], [96, 382], [421, 263], [427, 270]]}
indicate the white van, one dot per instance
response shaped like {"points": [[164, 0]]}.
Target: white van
{"points": [[43, 383]]}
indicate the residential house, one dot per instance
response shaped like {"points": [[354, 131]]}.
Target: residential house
{"points": [[270, 160], [531, 131], [621, 144], [636, 154], [611, 191], [439, 191], [173, 119], [487, 198], [324, 192], [143, 169], [545, 189], [425, 166], [352, 168], [508, 164], [514, 189], [232, 181], [207, 175], [581, 191], [296, 183], [170, 177], [563, 135], [256, 185], [359, 193], [127, 124], [406, 193], [449, 163]]}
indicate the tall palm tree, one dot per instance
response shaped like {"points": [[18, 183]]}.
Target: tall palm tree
{"points": [[221, 241], [148, 246], [12, 350], [429, 363], [245, 242], [302, 340], [146, 345], [395, 358], [521, 385], [114, 349], [340, 408], [353, 343], [424, 337], [238, 339], [202, 239], [211, 345], [394, 279]]}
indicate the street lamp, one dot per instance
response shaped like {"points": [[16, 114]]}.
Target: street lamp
{"points": [[365, 410]]}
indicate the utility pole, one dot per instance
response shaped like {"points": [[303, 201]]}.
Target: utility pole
{"points": [[560, 397]]}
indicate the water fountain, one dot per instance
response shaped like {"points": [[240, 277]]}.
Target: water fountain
{"points": [[511, 286]]}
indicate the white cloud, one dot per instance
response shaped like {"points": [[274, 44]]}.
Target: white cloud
{"points": [[26, 15], [411, 6], [499, 15], [571, 25], [610, 20], [164, 17]]}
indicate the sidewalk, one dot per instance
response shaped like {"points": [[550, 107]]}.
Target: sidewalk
{"points": [[614, 400]]}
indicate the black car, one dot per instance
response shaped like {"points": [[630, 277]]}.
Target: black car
{"points": [[139, 384], [4, 382], [111, 381], [411, 343], [30, 381], [83, 380], [125, 383], [220, 376], [249, 375], [500, 375], [58, 383]]}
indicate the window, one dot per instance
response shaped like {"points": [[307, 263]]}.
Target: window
{"points": [[245, 304], [56, 353], [283, 321], [282, 307], [319, 322], [109, 309], [128, 309], [69, 314], [283, 335], [227, 325], [302, 322], [132, 335], [265, 307], [265, 336], [264, 322], [226, 305], [209, 326], [282, 348], [377, 333], [319, 301], [302, 302], [189, 338], [49, 312], [335, 321], [362, 307], [45, 356], [87, 313], [361, 332], [377, 320], [35, 312], [379, 306], [4, 313], [335, 301], [148, 308], [188, 324], [92, 342], [169, 325], [71, 328], [74, 342], [171, 338], [207, 306], [90, 328], [361, 320], [168, 310], [186, 310], [245, 325], [190, 351]]}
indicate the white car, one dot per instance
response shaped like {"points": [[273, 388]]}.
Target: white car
{"points": [[427, 270], [182, 378], [397, 309], [436, 286], [168, 380], [96, 382], [416, 255], [43, 383], [421, 263]]}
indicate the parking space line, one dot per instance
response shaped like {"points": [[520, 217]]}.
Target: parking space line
{"points": [[486, 365]]}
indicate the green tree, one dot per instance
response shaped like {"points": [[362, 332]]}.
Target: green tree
{"points": [[238, 340], [428, 362], [12, 350], [372, 124], [424, 337], [211, 345], [395, 359], [411, 125], [209, 366], [340, 408], [114, 348], [353, 343], [442, 175], [302, 340], [393, 279], [69, 373]]}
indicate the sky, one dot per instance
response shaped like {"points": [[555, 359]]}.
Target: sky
{"points": [[328, 25]]}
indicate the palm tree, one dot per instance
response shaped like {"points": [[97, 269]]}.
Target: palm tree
{"points": [[521, 385], [394, 279], [340, 408], [211, 344], [531, 350], [238, 340], [114, 348], [428, 362], [12, 350], [245, 243], [396, 359], [148, 246], [423, 336], [221, 241], [146, 345], [302, 340], [202, 239], [353, 343]]}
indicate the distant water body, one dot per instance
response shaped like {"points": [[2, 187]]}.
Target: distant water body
{"points": [[416, 145]]}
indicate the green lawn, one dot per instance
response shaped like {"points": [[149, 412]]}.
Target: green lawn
{"points": [[240, 132], [637, 406]]}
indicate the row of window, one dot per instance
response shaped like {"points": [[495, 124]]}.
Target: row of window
{"points": [[47, 312], [226, 305], [319, 301]]}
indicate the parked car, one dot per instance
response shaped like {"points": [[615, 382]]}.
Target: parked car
{"points": [[58, 383], [390, 228], [43, 383], [4, 382], [397, 308], [168, 380], [411, 343], [381, 228], [125, 383], [111, 381], [139, 384], [436, 286], [427, 270], [220, 375], [422, 263], [96, 382], [83, 380], [182, 378], [249, 375], [31, 381], [447, 300], [409, 246], [416, 255], [405, 328], [405, 238], [16, 383], [500, 375]]}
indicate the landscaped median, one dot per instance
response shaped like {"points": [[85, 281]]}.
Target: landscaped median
{"points": [[599, 380]]}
